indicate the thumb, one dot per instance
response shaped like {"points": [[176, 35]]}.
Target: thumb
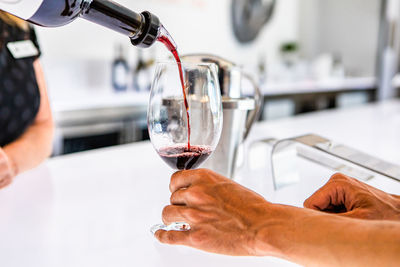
{"points": [[173, 237], [324, 198]]}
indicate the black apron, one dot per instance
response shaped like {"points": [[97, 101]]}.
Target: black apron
{"points": [[19, 91]]}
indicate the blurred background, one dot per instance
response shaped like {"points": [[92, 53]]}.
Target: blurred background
{"points": [[305, 56]]}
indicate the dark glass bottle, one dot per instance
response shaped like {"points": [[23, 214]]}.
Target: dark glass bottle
{"points": [[119, 70], [141, 28]]}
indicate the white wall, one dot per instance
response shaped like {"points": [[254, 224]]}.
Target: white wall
{"points": [[196, 25], [347, 27]]}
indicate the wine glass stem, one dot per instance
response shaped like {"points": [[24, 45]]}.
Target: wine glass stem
{"points": [[175, 226]]}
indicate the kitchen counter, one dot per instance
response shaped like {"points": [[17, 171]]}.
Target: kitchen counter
{"points": [[83, 105], [86, 98], [95, 208], [85, 109], [319, 86], [90, 113]]}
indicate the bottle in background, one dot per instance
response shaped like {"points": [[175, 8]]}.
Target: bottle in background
{"points": [[120, 70], [143, 72]]}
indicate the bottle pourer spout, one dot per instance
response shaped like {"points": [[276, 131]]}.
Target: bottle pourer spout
{"points": [[149, 32]]}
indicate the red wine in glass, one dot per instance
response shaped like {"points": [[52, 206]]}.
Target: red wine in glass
{"points": [[181, 158], [167, 127], [167, 40]]}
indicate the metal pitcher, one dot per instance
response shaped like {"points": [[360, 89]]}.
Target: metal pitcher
{"points": [[239, 112]]}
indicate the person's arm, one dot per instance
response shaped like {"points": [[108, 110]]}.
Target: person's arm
{"points": [[35, 144], [229, 219], [313, 238]]}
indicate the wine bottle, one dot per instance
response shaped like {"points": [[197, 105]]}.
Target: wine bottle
{"points": [[120, 70], [141, 28]]}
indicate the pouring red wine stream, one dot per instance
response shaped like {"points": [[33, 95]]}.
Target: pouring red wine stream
{"points": [[165, 38]]}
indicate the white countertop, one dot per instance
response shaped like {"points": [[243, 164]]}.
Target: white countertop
{"points": [[318, 86], [95, 208], [87, 98]]}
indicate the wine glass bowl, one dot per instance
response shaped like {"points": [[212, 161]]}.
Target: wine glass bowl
{"points": [[185, 140]]}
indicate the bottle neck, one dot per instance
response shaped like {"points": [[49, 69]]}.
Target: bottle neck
{"points": [[113, 16], [142, 28]]}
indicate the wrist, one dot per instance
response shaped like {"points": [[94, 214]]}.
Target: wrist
{"points": [[274, 232]]}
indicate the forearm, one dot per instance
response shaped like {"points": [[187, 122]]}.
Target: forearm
{"points": [[35, 144], [314, 238], [32, 147]]}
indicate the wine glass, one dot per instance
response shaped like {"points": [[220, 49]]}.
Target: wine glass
{"points": [[184, 135]]}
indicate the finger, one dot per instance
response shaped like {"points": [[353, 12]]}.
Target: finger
{"points": [[339, 176], [335, 209], [5, 182], [173, 213], [179, 197], [182, 179], [173, 237], [320, 200], [331, 194]]}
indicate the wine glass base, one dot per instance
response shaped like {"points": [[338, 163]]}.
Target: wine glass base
{"points": [[175, 226]]}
